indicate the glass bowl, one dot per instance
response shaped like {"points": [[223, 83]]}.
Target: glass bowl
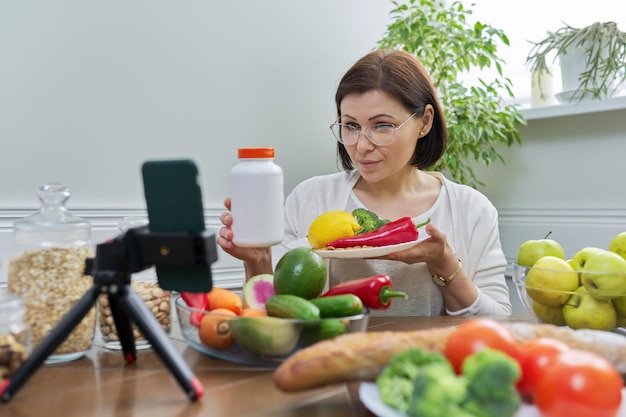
{"points": [[265, 341], [589, 306]]}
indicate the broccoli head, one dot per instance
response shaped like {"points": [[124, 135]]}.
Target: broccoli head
{"points": [[491, 384], [368, 220], [437, 391], [395, 382]]}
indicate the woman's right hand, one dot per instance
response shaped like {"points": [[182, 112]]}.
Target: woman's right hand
{"points": [[256, 260]]}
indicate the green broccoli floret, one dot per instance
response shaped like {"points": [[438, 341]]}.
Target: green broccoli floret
{"points": [[491, 378], [437, 391], [395, 382], [368, 220]]}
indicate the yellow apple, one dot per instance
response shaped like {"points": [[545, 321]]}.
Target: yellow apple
{"points": [[584, 311], [549, 314], [530, 251], [551, 280], [618, 244], [604, 274], [579, 259], [620, 305]]}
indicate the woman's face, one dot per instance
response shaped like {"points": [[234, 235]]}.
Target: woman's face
{"points": [[376, 163]]}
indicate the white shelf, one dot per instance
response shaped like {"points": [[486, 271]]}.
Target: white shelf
{"points": [[584, 107]]}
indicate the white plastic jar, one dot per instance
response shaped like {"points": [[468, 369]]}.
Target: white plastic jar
{"points": [[257, 199]]}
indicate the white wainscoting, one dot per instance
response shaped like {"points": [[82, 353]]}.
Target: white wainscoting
{"points": [[227, 271], [574, 229]]}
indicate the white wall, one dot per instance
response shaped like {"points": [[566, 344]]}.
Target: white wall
{"points": [[89, 90]]}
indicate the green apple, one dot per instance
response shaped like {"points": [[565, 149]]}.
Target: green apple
{"points": [[579, 259], [549, 314], [551, 280], [530, 251], [584, 311], [618, 244], [620, 305], [604, 274]]}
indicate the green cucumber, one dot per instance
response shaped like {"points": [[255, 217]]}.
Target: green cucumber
{"points": [[343, 305], [289, 306], [325, 329]]}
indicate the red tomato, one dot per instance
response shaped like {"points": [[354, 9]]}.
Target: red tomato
{"points": [[579, 384], [476, 335], [536, 355]]}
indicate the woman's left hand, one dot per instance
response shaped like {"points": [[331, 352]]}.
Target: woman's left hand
{"points": [[441, 260], [434, 250]]}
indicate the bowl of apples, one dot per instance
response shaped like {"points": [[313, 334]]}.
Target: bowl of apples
{"points": [[586, 291]]}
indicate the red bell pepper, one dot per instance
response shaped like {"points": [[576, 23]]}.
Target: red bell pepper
{"points": [[197, 300], [395, 232], [375, 292]]}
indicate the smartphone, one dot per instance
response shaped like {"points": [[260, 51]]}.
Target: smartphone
{"points": [[174, 202]]}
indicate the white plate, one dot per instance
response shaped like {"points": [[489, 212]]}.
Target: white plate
{"points": [[369, 395], [366, 252]]}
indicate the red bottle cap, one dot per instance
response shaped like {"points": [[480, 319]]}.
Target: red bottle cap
{"points": [[256, 152]]}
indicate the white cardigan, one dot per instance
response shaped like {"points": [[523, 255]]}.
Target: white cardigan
{"points": [[473, 234]]}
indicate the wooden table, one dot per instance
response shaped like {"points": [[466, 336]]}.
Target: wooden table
{"points": [[102, 384]]}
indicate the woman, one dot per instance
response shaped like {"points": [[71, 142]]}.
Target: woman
{"points": [[390, 129]]}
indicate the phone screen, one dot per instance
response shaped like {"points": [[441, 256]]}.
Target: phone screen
{"points": [[174, 202]]}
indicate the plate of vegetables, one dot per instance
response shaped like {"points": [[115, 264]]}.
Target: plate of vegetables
{"points": [[483, 371], [370, 396], [391, 237]]}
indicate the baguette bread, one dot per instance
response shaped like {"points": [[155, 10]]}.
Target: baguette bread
{"points": [[362, 356]]}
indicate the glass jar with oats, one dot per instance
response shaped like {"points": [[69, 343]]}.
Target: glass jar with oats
{"points": [[46, 268]]}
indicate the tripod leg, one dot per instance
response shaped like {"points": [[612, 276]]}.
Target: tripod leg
{"points": [[123, 324], [49, 344], [162, 345]]}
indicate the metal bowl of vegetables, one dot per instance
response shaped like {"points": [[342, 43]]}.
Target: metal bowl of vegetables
{"points": [[261, 338]]}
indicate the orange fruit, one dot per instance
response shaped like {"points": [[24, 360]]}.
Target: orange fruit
{"points": [[214, 330], [224, 298]]}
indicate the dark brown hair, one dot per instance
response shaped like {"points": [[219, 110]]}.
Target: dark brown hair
{"points": [[401, 75]]}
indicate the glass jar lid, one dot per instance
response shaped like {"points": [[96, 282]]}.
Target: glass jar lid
{"points": [[53, 214]]}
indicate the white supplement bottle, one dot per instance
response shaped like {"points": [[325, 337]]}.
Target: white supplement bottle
{"points": [[257, 199]]}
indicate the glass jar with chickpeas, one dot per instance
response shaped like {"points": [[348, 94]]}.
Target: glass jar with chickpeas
{"points": [[146, 285], [46, 268]]}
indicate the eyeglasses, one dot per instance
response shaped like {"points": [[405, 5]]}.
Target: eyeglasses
{"points": [[380, 134]]}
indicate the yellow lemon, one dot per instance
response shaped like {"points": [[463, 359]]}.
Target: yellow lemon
{"points": [[331, 225]]}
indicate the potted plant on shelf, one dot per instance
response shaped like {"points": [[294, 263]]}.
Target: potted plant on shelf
{"points": [[592, 60], [439, 33]]}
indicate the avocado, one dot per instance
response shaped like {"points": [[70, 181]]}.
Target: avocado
{"points": [[269, 336]]}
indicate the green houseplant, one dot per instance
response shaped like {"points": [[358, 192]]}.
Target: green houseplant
{"points": [[449, 46], [592, 58]]}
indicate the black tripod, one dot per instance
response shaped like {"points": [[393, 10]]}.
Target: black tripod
{"points": [[111, 269]]}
